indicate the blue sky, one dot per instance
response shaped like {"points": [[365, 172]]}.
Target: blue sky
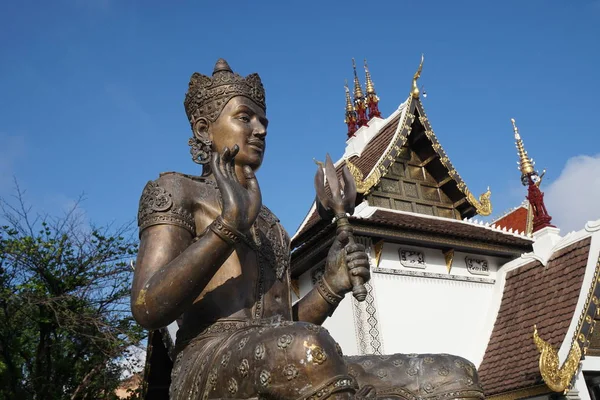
{"points": [[91, 92]]}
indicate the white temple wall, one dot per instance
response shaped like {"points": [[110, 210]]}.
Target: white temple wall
{"points": [[341, 325], [416, 305]]}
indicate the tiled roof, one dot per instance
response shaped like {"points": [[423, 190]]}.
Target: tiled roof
{"points": [[420, 223], [375, 149], [515, 219], [447, 226], [533, 295]]}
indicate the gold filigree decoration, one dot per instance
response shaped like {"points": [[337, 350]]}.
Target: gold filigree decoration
{"points": [[483, 205], [585, 316], [363, 186], [378, 247], [449, 257], [557, 378], [379, 170]]}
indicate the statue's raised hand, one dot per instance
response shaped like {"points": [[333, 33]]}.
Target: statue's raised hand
{"points": [[241, 204]]}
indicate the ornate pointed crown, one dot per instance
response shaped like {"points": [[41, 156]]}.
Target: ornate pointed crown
{"points": [[207, 96]]}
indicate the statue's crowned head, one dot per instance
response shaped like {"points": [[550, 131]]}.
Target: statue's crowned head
{"points": [[207, 96]]}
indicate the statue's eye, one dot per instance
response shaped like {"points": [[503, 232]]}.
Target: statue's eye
{"points": [[244, 118]]}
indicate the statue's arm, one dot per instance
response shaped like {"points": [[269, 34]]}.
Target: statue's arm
{"points": [[344, 259], [171, 272], [313, 308]]}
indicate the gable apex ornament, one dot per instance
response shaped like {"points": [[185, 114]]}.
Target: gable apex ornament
{"points": [[414, 92]]}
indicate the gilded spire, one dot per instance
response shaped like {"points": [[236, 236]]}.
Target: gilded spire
{"points": [[415, 89], [370, 86], [531, 179], [525, 162], [372, 100], [350, 119], [349, 106], [358, 94]]}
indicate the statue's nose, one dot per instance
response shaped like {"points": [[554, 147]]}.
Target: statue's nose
{"points": [[260, 130]]}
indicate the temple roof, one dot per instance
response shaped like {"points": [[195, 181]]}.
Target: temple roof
{"points": [[534, 294], [399, 164], [518, 219], [467, 235]]}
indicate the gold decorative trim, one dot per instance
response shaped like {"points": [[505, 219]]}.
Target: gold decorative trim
{"points": [[378, 247], [521, 393], [449, 257], [483, 205], [365, 185], [585, 317], [557, 379]]}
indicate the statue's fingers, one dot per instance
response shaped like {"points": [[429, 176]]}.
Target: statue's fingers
{"points": [[354, 247], [362, 272], [231, 165], [234, 150], [226, 154], [357, 263], [215, 163], [226, 161], [359, 255]]}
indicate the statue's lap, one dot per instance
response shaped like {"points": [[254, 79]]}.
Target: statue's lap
{"points": [[294, 360]]}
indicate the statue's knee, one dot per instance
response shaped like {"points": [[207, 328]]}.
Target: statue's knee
{"points": [[312, 347]]}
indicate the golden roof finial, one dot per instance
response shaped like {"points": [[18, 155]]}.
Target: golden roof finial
{"points": [[415, 89], [525, 163], [358, 94], [370, 86], [349, 106]]}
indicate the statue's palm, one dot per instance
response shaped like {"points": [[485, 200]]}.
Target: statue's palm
{"points": [[241, 204]]}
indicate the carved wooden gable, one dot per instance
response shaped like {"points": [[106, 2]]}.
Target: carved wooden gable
{"points": [[417, 181]]}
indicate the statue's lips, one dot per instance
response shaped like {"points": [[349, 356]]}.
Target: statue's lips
{"points": [[258, 144]]}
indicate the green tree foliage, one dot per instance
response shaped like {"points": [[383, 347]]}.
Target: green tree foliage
{"points": [[65, 325]]}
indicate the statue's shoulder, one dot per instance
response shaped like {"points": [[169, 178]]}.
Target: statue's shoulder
{"points": [[170, 200], [191, 186]]}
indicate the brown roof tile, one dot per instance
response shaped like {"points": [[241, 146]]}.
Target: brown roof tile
{"points": [[447, 226], [533, 294], [376, 147], [516, 220]]}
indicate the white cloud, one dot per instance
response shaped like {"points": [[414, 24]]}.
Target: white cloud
{"points": [[574, 197]]}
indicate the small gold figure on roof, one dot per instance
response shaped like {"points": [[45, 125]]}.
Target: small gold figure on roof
{"points": [[415, 89]]}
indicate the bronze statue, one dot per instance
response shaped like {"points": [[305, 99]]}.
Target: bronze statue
{"points": [[214, 256]]}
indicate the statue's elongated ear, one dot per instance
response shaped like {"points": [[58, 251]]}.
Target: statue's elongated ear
{"points": [[200, 128]]}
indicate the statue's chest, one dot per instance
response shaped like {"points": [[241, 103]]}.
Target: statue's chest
{"points": [[272, 248], [271, 243]]}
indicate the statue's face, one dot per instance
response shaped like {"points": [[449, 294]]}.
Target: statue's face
{"points": [[244, 123]]}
